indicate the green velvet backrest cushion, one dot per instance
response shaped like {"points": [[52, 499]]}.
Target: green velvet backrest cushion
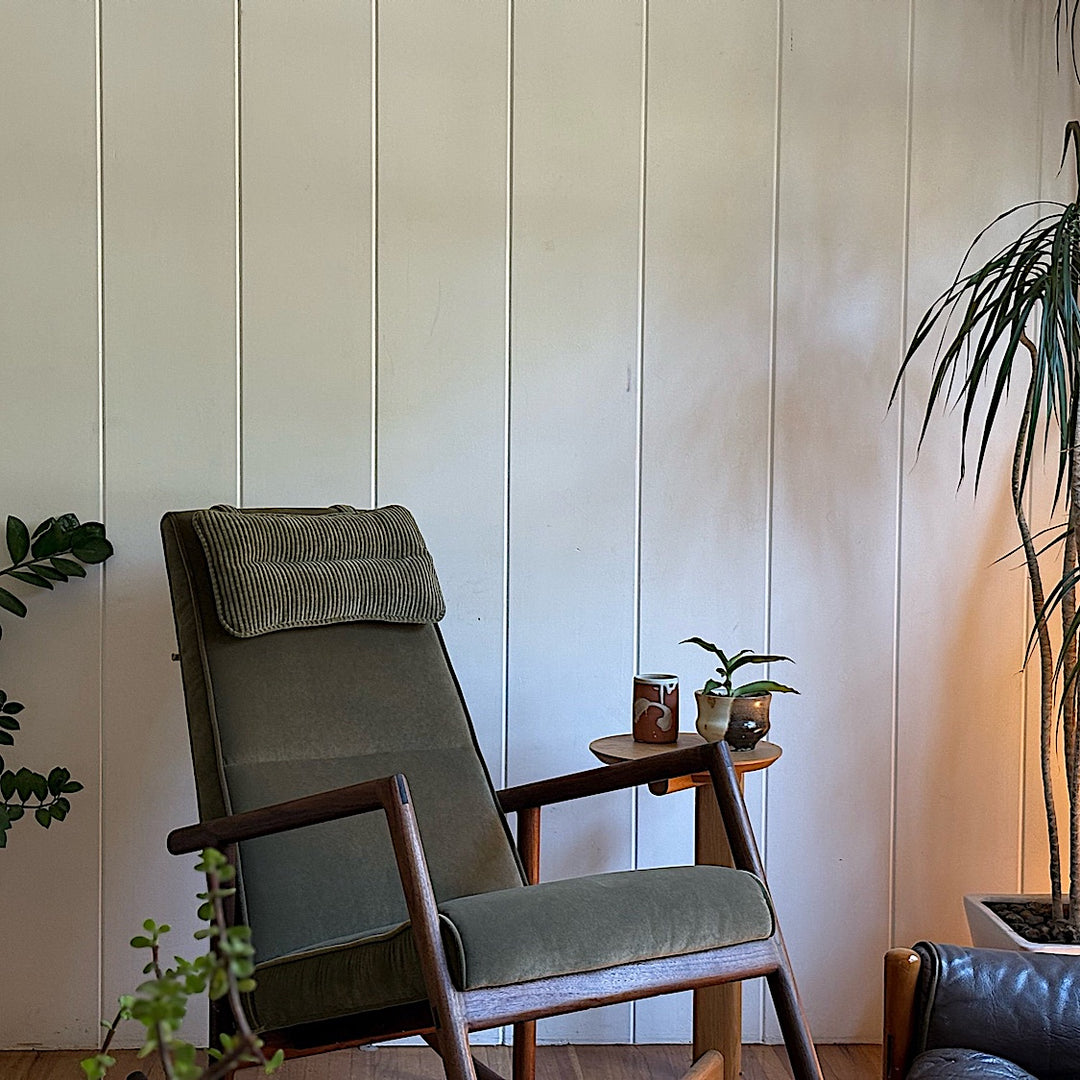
{"points": [[300, 711]]}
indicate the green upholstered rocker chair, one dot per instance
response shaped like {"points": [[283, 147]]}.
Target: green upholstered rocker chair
{"points": [[385, 893]]}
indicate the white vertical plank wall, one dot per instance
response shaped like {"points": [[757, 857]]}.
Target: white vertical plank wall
{"points": [[170, 423], [573, 421], [960, 766], [709, 183], [305, 186], [50, 417], [839, 279], [612, 295], [441, 234]]}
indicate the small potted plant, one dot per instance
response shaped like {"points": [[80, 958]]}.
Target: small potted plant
{"points": [[740, 714]]}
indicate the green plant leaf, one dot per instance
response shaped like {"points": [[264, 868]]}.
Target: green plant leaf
{"points": [[12, 707], [52, 541], [15, 812], [42, 527], [8, 723], [7, 784], [32, 579], [43, 817], [748, 657], [39, 786], [48, 571], [56, 780], [71, 787], [708, 646], [762, 686], [93, 549], [6, 739], [18, 539], [10, 602], [68, 566]]}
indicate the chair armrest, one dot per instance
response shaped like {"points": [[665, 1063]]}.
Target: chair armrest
{"points": [[606, 778], [1021, 1006], [295, 814]]}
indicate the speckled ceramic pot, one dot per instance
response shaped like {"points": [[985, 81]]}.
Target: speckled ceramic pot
{"points": [[712, 715], [749, 721]]}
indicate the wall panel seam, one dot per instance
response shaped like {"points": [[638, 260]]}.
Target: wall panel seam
{"points": [[508, 281], [770, 486], [102, 579], [374, 252], [905, 273], [238, 283]]}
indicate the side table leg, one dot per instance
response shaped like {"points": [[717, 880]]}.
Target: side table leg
{"points": [[717, 1009]]}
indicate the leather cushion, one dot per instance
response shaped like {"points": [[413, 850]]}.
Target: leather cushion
{"points": [[514, 935], [952, 1064]]}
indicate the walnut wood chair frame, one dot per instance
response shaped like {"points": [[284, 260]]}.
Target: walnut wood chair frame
{"points": [[902, 968], [448, 1016]]}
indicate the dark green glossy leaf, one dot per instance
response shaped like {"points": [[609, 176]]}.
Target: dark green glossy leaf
{"points": [[12, 707], [39, 787], [49, 571], [51, 542], [31, 578], [10, 602], [43, 526], [43, 817], [7, 784], [15, 812], [6, 739], [94, 549], [68, 566], [8, 723], [57, 812], [71, 787], [18, 539], [56, 780]]}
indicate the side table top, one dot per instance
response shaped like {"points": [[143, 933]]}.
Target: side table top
{"points": [[615, 748]]}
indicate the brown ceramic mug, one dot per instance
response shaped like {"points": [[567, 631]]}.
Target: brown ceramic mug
{"points": [[656, 708]]}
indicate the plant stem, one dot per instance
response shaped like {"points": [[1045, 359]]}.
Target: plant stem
{"points": [[1069, 647], [1046, 654]]}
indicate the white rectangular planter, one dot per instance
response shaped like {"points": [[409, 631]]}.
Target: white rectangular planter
{"points": [[989, 932]]}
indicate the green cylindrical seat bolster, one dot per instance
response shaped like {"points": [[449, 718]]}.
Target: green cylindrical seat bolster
{"points": [[519, 934], [600, 921]]}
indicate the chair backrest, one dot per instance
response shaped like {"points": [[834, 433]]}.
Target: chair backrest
{"points": [[295, 712]]}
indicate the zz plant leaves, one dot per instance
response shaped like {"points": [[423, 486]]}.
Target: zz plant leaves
{"points": [[56, 551]]}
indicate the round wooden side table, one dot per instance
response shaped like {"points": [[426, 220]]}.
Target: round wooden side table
{"points": [[717, 1009]]}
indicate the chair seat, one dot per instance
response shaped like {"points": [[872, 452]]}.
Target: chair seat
{"points": [[521, 934]]}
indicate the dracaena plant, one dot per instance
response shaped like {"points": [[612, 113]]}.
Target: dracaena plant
{"points": [[53, 553], [1013, 323], [160, 1004], [722, 687]]}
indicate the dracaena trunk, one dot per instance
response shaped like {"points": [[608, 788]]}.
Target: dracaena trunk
{"points": [[1046, 652]]}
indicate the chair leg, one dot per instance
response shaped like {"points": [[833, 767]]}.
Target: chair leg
{"points": [[710, 1066], [793, 1025], [525, 1050], [453, 1047]]}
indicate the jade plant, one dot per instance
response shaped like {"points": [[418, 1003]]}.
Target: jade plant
{"points": [[53, 553], [730, 664], [160, 1004]]}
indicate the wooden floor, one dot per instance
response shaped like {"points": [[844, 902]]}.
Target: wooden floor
{"points": [[554, 1063]]}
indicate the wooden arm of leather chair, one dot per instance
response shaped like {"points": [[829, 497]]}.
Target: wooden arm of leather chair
{"points": [[901, 976]]}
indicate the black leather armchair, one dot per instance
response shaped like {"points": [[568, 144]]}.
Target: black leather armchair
{"points": [[956, 1013]]}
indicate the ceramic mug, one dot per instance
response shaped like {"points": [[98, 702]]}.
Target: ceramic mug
{"points": [[656, 708]]}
